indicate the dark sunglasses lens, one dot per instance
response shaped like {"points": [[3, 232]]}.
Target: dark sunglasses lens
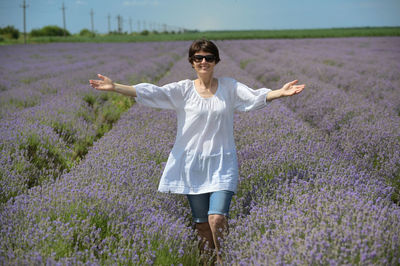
{"points": [[209, 58], [198, 58]]}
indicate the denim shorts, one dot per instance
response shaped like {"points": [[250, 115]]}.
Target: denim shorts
{"points": [[203, 205]]}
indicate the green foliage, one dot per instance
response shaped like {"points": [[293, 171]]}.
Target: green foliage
{"points": [[50, 30], [24, 103], [396, 185], [170, 256], [218, 35], [102, 110], [3, 87], [90, 99], [116, 33], [247, 191], [107, 109], [65, 131], [245, 62], [86, 32], [45, 160], [86, 217], [72, 213], [43, 156], [331, 62], [9, 32]]}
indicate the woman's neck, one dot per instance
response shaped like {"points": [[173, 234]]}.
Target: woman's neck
{"points": [[205, 81]]}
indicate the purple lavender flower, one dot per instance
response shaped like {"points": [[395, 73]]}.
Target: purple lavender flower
{"points": [[315, 169]]}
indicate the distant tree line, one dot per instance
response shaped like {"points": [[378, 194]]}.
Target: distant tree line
{"points": [[49, 31], [10, 32]]}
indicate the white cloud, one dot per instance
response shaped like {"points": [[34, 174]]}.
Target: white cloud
{"points": [[141, 3]]}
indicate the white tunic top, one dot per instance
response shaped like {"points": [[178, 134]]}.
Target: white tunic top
{"points": [[203, 158]]}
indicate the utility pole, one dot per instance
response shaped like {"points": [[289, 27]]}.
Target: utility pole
{"points": [[109, 24], [130, 25], [119, 18], [91, 19], [24, 6], [63, 9]]}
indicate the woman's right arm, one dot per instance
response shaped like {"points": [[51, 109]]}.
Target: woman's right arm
{"points": [[106, 84]]}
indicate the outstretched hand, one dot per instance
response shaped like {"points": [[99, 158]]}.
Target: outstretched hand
{"points": [[104, 84], [290, 88]]}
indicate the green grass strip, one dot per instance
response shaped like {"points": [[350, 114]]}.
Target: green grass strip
{"points": [[220, 35]]}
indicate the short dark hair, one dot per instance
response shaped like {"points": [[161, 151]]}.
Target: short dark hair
{"points": [[203, 45]]}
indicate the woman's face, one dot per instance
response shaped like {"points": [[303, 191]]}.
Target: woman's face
{"points": [[203, 62]]}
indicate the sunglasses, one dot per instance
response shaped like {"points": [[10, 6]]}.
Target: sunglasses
{"points": [[199, 58]]}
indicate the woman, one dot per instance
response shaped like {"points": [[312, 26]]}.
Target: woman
{"points": [[202, 163]]}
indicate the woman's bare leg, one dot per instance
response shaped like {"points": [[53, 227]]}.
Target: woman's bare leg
{"points": [[205, 233], [219, 226]]}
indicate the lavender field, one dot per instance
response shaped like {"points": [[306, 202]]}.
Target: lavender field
{"points": [[319, 172]]}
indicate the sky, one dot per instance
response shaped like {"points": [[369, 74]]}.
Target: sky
{"points": [[200, 15]]}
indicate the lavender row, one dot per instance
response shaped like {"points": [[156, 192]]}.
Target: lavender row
{"points": [[106, 210], [300, 199], [363, 130], [300, 203], [370, 71], [30, 75], [287, 166], [41, 142]]}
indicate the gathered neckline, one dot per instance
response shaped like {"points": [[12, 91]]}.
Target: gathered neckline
{"points": [[206, 98]]}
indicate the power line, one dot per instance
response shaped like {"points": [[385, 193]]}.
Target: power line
{"points": [[139, 25]]}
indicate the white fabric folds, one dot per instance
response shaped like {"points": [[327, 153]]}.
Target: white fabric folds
{"points": [[203, 158]]}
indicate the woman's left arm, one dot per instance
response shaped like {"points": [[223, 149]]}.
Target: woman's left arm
{"points": [[288, 89]]}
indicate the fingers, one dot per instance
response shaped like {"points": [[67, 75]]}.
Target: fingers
{"points": [[300, 88], [290, 84], [105, 79], [96, 83], [101, 76]]}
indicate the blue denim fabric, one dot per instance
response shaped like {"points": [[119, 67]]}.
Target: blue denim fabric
{"points": [[203, 205]]}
